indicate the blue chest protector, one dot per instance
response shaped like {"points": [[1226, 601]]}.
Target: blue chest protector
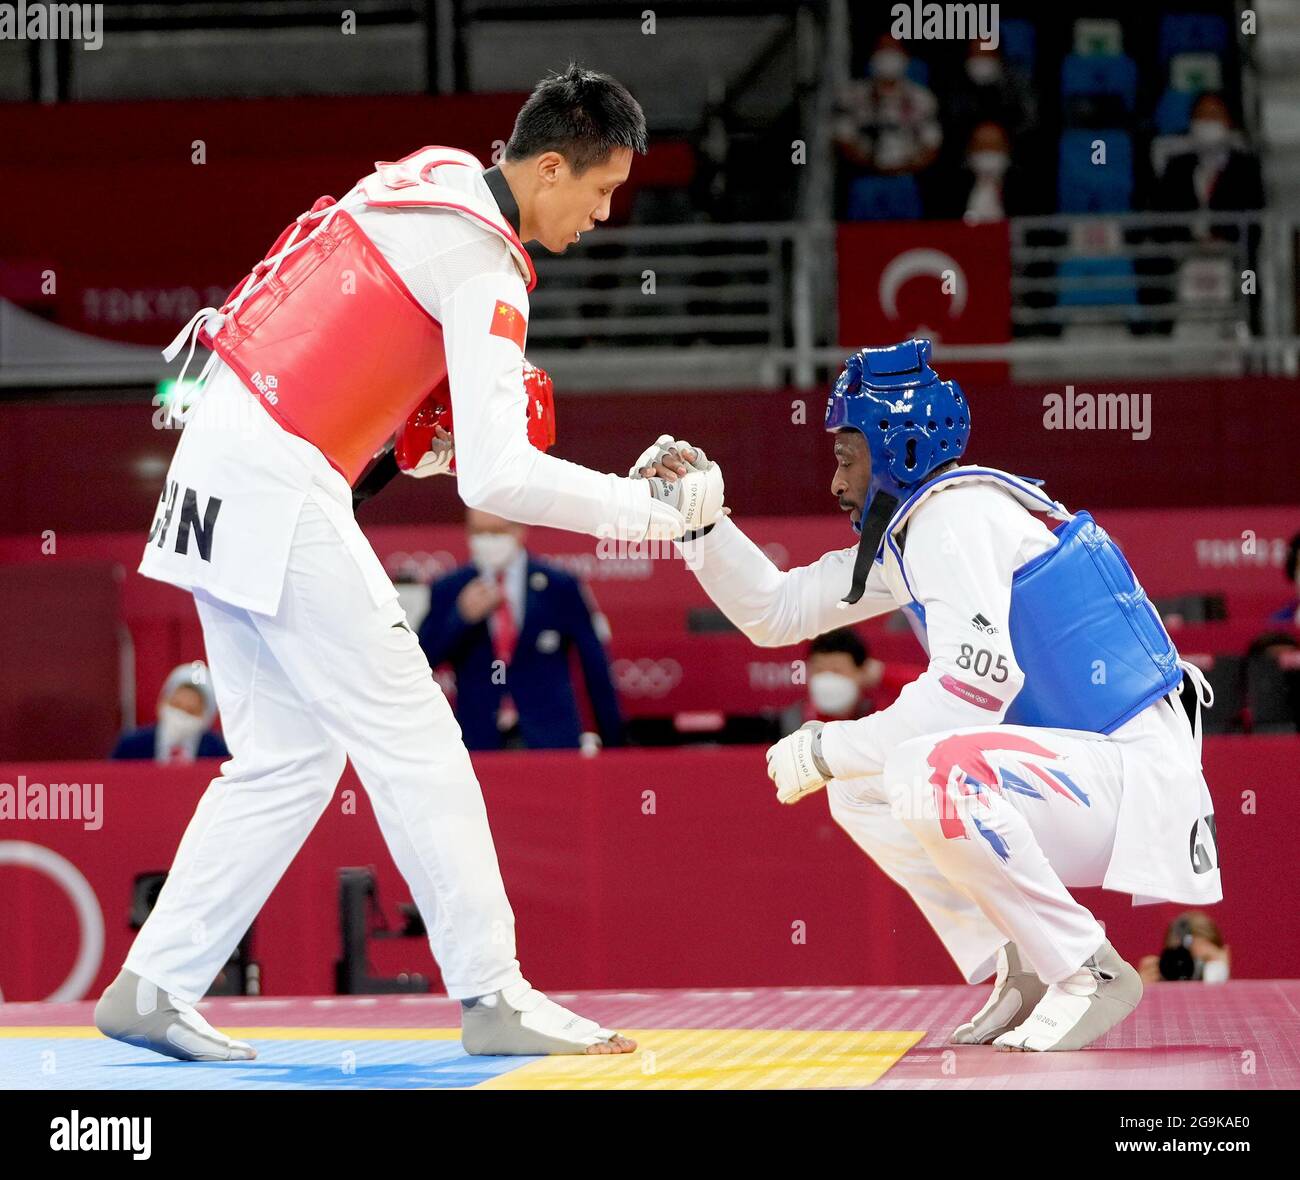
{"points": [[1092, 648]]}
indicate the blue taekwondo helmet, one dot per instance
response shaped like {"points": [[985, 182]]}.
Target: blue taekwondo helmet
{"points": [[912, 421]]}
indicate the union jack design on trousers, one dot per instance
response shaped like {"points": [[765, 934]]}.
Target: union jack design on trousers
{"points": [[967, 754]]}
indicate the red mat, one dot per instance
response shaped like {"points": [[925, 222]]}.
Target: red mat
{"points": [[1239, 1035]]}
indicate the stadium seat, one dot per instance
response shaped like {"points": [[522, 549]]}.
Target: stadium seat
{"points": [[1098, 36], [1096, 75], [883, 198], [1206, 281], [1195, 72], [1085, 187], [1206, 289], [1192, 32], [1017, 42], [1174, 112], [1117, 285]]}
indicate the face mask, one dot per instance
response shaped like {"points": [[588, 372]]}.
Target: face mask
{"points": [[177, 728], [983, 69], [888, 63], [1214, 971], [1209, 133], [988, 163], [492, 552], [833, 694]]}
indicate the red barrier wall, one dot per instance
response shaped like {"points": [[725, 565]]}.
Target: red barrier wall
{"points": [[1203, 452], [263, 162], [60, 699], [698, 885], [661, 666]]}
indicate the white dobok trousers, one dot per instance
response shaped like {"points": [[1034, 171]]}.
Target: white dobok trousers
{"points": [[988, 827], [329, 676]]}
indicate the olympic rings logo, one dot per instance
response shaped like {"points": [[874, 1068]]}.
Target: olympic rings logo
{"points": [[646, 677], [418, 566]]}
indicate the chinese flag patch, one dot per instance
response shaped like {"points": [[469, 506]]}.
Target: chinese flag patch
{"points": [[509, 322]]}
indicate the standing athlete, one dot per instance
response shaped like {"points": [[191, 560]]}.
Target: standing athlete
{"points": [[1045, 746], [365, 312]]}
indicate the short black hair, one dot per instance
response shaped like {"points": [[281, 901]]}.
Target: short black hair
{"points": [[582, 115], [841, 639], [1292, 557]]}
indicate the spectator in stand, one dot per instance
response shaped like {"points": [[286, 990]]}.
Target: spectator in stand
{"points": [[988, 92], [844, 681], [990, 187], [506, 623], [1290, 613], [887, 131], [1194, 949], [1215, 175], [187, 707]]}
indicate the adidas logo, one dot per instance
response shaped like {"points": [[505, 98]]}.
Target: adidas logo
{"points": [[980, 623]]}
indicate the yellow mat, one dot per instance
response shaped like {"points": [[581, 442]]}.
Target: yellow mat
{"points": [[667, 1059], [721, 1059]]}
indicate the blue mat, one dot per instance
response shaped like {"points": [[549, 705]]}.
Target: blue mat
{"points": [[63, 1063]]}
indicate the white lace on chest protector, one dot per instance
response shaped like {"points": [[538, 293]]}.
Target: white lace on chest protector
{"points": [[1027, 494]]}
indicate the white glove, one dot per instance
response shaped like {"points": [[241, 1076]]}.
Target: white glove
{"points": [[661, 446], [698, 495], [437, 460], [666, 523], [795, 764]]}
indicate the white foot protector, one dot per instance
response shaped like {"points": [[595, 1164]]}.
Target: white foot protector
{"points": [[520, 1021], [1016, 990], [1075, 1012], [138, 1012]]}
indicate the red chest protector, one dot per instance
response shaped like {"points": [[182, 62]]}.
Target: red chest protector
{"points": [[326, 334], [415, 438]]}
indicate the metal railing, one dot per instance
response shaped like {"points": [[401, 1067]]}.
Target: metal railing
{"points": [[1201, 283], [753, 306], [1119, 291], [1159, 293], [688, 306]]}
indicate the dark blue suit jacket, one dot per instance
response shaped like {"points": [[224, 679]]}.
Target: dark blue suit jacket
{"points": [[556, 619], [139, 744]]}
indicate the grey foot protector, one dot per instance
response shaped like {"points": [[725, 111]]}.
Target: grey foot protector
{"points": [[1016, 990], [520, 1021], [1118, 991], [1119, 988], [137, 1012]]}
